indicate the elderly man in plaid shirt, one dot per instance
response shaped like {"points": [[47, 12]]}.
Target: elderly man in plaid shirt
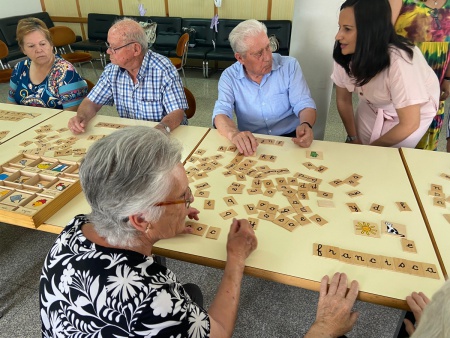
{"points": [[143, 85]]}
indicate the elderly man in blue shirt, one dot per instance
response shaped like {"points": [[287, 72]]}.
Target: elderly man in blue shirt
{"points": [[143, 85], [267, 92]]}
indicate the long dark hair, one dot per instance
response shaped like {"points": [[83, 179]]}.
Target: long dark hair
{"points": [[375, 35]]}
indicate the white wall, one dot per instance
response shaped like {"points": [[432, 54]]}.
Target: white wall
{"points": [[314, 26], [19, 7]]}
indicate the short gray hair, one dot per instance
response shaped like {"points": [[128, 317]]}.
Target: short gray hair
{"points": [[132, 31], [244, 30], [125, 174]]}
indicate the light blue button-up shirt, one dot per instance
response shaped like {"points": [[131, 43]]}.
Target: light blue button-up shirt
{"points": [[271, 107], [158, 92]]}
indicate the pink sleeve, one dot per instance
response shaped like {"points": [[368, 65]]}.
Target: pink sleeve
{"points": [[340, 77], [408, 79]]}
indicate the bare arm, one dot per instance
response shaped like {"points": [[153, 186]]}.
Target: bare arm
{"points": [[396, 6], [223, 310], [73, 108], [243, 140], [345, 108], [173, 119], [409, 121], [304, 134], [86, 111]]}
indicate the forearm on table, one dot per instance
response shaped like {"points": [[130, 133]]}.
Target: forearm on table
{"points": [[307, 115], [73, 108], [88, 109], [225, 126], [174, 118], [223, 310]]}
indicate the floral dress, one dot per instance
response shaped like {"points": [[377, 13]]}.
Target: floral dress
{"points": [[62, 88], [87, 290], [429, 29]]}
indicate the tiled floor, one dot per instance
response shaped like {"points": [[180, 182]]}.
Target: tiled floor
{"points": [[267, 309]]}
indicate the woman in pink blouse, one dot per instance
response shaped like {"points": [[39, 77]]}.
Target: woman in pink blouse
{"points": [[398, 92]]}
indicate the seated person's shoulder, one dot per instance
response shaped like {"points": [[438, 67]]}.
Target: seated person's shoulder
{"points": [[158, 61]]}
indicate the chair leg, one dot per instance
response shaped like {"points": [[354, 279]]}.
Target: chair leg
{"points": [[95, 71], [80, 69], [184, 76]]}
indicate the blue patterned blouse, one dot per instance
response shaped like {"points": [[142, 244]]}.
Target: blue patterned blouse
{"points": [[62, 88]]}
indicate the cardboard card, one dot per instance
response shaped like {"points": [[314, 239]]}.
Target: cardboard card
{"points": [[394, 229], [337, 182], [324, 194], [403, 206], [213, 232], [368, 229], [377, 208], [309, 166], [228, 214], [253, 222], [353, 207], [439, 202], [408, 245], [325, 204], [198, 229], [230, 201], [250, 209], [318, 219], [302, 219], [209, 204], [354, 193], [266, 216]]}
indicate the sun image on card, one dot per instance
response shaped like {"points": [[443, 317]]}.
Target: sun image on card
{"points": [[366, 229]]}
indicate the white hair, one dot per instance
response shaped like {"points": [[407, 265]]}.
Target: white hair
{"points": [[244, 30]]}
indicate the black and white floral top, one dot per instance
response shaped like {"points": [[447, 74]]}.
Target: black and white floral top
{"points": [[87, 290]]}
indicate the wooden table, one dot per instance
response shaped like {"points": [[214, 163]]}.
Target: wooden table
{"points": [[286, 257], [426, 168], [16, 119], [188, 136]]}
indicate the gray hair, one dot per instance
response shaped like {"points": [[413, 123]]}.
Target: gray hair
{"points": [[125, 174], [132, 31], [244, 30]]}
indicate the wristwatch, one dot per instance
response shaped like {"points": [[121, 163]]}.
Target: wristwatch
{"points": [[165, 126], [350, 138]]}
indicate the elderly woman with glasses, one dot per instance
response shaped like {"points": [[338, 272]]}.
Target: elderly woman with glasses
{"points": [[43, 79], [100, 278]]}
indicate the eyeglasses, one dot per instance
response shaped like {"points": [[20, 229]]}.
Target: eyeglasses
{"points": [[186, 200], [114, 50]]}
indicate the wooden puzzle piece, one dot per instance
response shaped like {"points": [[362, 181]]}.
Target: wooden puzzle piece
{"points": [[368, 229], [353, 207], [395, 229], [213, 232], [228, 214], [198, 229], [403, 206], [408, 245]]}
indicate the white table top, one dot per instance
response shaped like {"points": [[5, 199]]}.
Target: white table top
{"points": [[426, 168], [28, 117]]}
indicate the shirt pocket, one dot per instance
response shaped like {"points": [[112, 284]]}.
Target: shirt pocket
{"points": [[280, 105], [150, 106]]}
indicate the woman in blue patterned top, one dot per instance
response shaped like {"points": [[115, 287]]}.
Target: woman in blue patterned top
{"points": [[43, 79]]}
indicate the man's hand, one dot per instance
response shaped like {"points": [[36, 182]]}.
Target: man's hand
{"points": [[417, 303], [245, 142], [334, 312], [304, 135], [241, 240], [77, 124]]}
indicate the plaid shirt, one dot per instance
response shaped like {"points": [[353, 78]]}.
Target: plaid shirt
{"points": [[158, 92]]}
